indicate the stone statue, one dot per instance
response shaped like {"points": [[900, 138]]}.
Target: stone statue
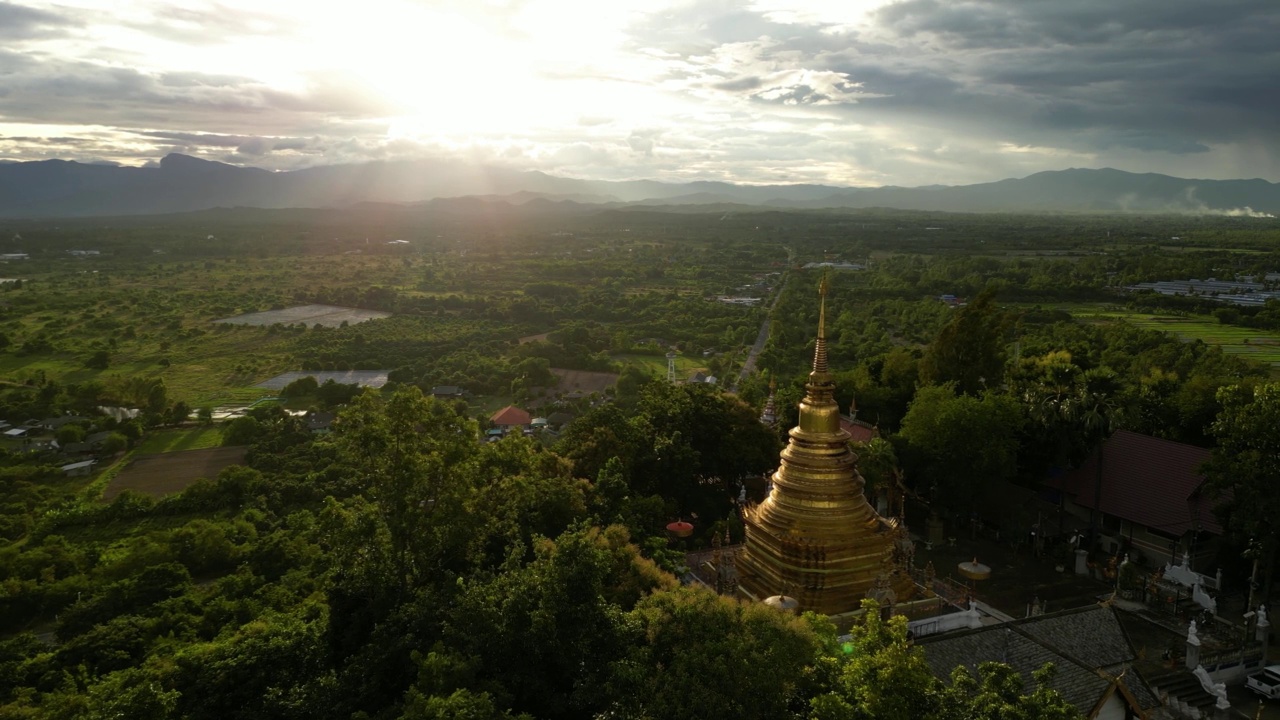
{"points": [[1217, 690], [1192, 637]]}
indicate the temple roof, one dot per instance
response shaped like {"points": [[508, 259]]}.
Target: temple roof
{"points": [[1147, 480], [1087, 646]]}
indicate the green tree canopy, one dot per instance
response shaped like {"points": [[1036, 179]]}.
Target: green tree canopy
{"points": [[956, 447], [1245, 465], [969, 350]]}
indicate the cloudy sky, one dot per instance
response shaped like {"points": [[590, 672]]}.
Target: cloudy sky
{"points": [[845, 92]]}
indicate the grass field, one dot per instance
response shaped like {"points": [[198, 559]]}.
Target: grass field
{"points": [[656, 365], [177, 440], [1258, 345]]}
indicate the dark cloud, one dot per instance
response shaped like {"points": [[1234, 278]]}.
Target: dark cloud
{"points": [[1173, 76], [1165, 75], [19, 23], [43, 89], [254, 146]]}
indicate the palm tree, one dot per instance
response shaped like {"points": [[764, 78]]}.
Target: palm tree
{"points": [[1079, 409], [1096, 412]]}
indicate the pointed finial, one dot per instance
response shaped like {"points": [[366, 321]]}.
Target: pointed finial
{"points": [[820, 348]]}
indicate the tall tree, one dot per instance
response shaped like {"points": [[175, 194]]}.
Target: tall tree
{"points": [[692, 653], [407, 450], [955, 447], [969, 350], [1245, 466], [690, 444]]}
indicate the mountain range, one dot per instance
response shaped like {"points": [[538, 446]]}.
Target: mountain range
{"points": [[180, 183]]}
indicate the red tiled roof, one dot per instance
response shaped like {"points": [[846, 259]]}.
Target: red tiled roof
{"points": [[510, 415], [859, 431], [1149, 481]]}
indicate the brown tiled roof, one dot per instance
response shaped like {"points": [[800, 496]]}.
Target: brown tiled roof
{"points": [[510, 415], [1149, 481], [858, 430]]}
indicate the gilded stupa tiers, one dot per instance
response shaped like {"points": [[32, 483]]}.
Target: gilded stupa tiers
{"points": [[815, 537]]}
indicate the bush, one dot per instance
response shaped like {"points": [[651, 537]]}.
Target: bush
{"points": [[302, 387], [241, 431]]}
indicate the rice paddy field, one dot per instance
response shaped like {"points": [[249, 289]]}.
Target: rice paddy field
{"points": [[1258, 345]]}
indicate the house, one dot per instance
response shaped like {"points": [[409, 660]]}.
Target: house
{"points": [[15, 432], [1092, 657], [39, 444], [319, 422], [1153, 499], [78, 469], [698, 377], [511, 419], [56, 422], [97, 438]]}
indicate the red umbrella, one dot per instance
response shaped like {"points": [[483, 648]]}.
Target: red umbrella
{"points": [[680, 529]]}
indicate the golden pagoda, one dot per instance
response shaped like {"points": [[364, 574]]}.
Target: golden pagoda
{"points": [[815, 537]]}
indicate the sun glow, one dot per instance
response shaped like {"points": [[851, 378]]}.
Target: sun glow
{"points": [[449, 73]]}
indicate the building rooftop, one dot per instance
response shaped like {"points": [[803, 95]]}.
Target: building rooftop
{"points": [[1147, 480], [510, 415]]}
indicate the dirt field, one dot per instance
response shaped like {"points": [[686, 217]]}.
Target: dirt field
{"points": [[326, 315], [168, 473], [587, 382], [363, 378], [533, 338]]}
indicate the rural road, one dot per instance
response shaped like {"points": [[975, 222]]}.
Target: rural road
{"points": [[750, 363]]}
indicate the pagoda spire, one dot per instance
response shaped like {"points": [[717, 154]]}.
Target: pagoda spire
{"points": [[818, 410], [815, 530], [820, 347]]}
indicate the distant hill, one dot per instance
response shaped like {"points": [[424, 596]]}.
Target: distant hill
{"points": [[59, 188]]}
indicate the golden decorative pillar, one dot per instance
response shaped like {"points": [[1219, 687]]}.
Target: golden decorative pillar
{"points": [[815, 534]]}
